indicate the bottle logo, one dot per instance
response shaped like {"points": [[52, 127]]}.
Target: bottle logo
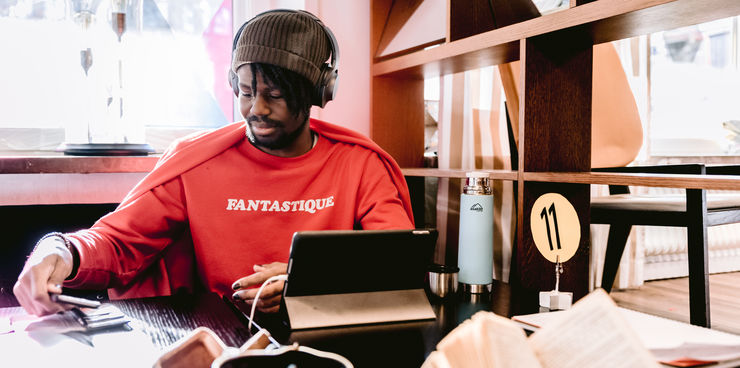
{"points": [[476, 207]]}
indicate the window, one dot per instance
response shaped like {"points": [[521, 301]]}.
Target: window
{"points": [[75, 71], [694, 83]]}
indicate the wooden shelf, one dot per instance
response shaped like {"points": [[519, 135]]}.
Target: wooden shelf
{"points": [[554, 107], [600, 21], [713, 182], [441, 173], [718, 182]]}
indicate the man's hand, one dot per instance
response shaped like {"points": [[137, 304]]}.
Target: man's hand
{"points": [[47, 267], [269, 301]]}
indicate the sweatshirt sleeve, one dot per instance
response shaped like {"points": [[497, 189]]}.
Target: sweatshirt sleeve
{"points": [[379, 202], [128, 240]]}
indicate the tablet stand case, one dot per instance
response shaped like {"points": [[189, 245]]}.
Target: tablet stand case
{"points": [[382, 283], [315, 311]]}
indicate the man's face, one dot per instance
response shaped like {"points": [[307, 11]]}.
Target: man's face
{"points": [[271, 125]]}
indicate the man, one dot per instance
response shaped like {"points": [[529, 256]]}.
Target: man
{"points": [[219, 209]]}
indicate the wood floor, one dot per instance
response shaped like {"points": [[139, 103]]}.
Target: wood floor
{"points": [[670, 299]]}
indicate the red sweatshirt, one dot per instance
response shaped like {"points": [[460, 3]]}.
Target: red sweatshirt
{"points": [[215, 205]]}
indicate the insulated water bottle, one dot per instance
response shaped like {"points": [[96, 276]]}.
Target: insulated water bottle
{"points": [[475, 246]]}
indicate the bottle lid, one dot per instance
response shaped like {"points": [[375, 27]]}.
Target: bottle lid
{"points": [[477, 182], [477, 174]]}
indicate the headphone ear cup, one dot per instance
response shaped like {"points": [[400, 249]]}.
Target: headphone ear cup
{"points": [[234, 82], [326, 89]]}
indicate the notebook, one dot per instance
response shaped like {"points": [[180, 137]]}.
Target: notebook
{"points": [[351, 277]]}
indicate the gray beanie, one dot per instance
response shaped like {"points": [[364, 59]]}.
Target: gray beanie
{"points": [[289, 39]]}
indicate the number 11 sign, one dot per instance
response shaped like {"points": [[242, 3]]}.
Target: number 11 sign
{"points": [[555, 227], [556, 232]]}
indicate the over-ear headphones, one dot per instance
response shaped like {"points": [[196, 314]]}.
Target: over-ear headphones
{"points": [[326, 87]]}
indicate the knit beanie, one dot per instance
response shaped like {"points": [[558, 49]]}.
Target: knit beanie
{"points": [[289, 39]]}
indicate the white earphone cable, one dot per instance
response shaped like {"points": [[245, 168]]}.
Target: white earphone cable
{"points": [[259, 291]]}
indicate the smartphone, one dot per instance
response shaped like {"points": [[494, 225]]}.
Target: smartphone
{"points": [[107, 316], [78, 302]]}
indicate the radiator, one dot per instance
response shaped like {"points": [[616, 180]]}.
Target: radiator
{"points": [[665, 248]]}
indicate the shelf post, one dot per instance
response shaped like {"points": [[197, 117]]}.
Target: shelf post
{"points": [[555, 135]]}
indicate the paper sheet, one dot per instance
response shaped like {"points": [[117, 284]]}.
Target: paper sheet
{"points": [[60, 341]]}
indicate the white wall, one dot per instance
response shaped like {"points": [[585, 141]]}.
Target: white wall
{"points": [[350, 23]]}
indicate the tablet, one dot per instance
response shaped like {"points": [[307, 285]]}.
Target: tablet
{"points": [[346, 277], [349, 261]]}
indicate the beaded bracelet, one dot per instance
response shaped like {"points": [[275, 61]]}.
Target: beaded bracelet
{"points": [[70, 247]]}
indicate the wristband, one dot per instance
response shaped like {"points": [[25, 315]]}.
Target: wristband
{"points": [[70, 247]]}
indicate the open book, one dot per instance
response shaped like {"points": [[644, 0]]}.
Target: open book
{"points": [[672, 343], [593, 333]]}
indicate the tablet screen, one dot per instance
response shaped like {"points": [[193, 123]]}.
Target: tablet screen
{"points": [[349, 261]]}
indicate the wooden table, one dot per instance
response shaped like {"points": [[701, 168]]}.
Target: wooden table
{"points": [[167, 319]]}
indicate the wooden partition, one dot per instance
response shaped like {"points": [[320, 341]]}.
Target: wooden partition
{"points": [[556, 54]]}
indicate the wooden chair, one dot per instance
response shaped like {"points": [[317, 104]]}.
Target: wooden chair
{"points": [[696, 210]]}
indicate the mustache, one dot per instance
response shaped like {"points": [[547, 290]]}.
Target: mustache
{"points": [[263, 119]]}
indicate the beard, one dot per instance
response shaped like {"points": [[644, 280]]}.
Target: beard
{"points": [[280, 140]]}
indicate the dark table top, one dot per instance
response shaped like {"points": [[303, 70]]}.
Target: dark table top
{"points": [[168, 319]]}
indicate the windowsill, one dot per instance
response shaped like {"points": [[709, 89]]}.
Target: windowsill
{"points": [[33, 151], [46, 178], [45, 162]]}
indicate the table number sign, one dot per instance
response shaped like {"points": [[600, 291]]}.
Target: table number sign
{"points": [[556, 231]]}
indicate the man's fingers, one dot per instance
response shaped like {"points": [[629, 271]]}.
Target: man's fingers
{"points": [[45, 305], [269, 302], [38, 302], [267, 305], [274, 288], [249, 281], [271, 295], [274, 309], [39, 277], [46, 268], [20, 294], [260, 275], [41, 282], [275, 268], [54, 287]]}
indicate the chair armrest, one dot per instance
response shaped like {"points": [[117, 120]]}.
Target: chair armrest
{"points": [[658, 169], [651, 169], [723, 170]]}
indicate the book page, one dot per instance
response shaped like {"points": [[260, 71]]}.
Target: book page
{"points": [[535, 321], [436, 359], [593, 333], [457, 346], [487, 340], [671, 340], [504, 341], [662, 333]]}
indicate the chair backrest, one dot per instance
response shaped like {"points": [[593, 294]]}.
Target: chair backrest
{"points": [[616, 130]]}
